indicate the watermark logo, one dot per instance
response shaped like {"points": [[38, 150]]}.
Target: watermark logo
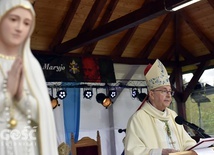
{"points": [[27, 133]]}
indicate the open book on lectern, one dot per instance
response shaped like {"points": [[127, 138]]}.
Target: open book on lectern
{"points": [[203, 143]]}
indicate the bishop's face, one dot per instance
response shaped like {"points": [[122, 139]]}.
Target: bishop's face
{"points": [[161, 97], [15, 27]]}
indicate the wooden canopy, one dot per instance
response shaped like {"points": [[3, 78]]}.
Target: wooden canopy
{"points": [[130, 32]]}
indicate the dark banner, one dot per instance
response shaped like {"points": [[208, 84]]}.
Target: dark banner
{"points": [[76, 69]]}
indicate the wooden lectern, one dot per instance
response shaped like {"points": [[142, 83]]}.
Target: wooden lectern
{"points": [[184, 153]]}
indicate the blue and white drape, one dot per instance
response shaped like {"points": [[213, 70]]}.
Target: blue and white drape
{"points": [[67, 115]]}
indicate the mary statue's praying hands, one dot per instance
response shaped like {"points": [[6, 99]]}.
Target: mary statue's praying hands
{"points": [[15, 79]]}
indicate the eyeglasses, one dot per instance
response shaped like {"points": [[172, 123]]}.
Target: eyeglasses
{"points": [[165, 92]]}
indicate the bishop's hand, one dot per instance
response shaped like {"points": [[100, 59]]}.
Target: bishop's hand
{"points": [[167, 151]]}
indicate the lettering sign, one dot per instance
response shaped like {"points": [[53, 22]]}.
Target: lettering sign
{"points": [[76, 69]]}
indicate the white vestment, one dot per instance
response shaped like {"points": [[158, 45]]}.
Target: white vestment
{"points": [[146, 132]]}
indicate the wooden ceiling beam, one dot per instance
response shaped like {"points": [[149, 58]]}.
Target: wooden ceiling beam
{"points": [[139, 61], [177, 72], [190, 59], [185, 53], [92, 16], [120, 60], [177, 38], [211, 3], [91, 19], [120, 47], [172, 79], [204, 39], [123, 43], [194, 80], [197, 59], [109, 11], [151, 44], [168, 54], [125, 22], [88, 49], [65, 24]]}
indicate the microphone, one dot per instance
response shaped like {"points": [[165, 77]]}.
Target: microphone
{"points": [[180, 120], [121, 130]]}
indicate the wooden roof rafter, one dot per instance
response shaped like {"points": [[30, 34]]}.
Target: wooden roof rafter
{"points": [[168, 54], [88, 49], [151, 44], [204, 39], [92, 16], [185, 53], [65, 24], [211, 2], [114, 29], [90, 35], [123, 43], [120, 47], [201, 67], [125, 22]]}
